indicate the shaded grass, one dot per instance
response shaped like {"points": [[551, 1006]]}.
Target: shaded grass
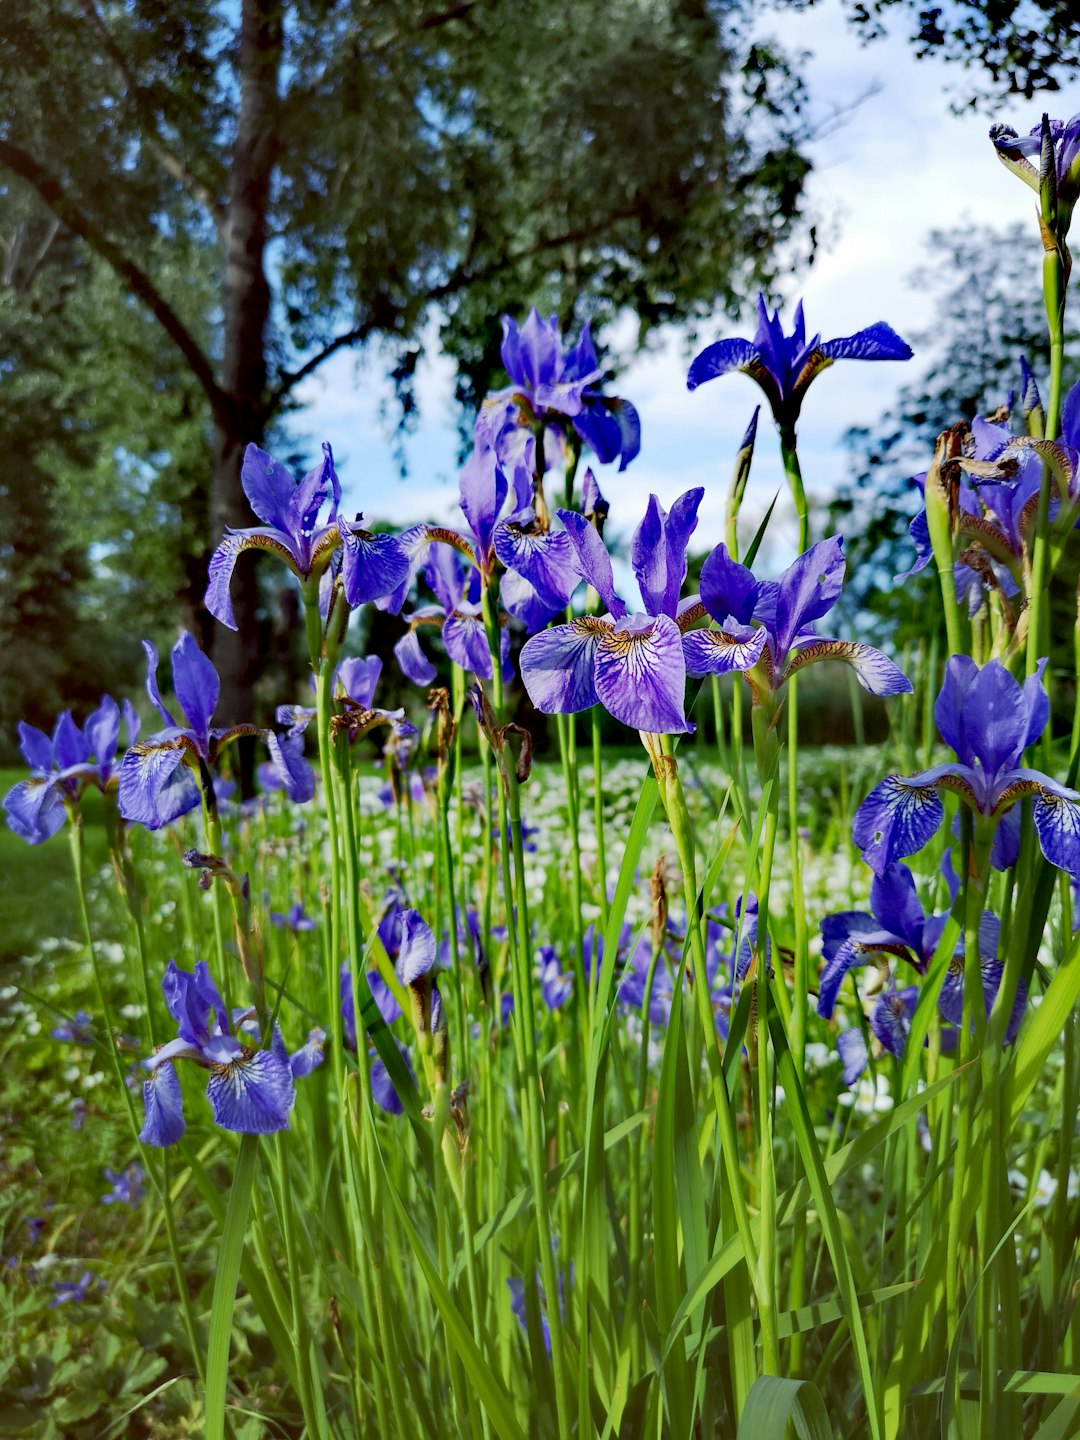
{"points": [[37, 896]]}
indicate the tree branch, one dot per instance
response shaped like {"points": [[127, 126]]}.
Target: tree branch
{"points": [[68, 213], [172, 163], [459, 280]]}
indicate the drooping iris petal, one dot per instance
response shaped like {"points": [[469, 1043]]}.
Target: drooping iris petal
{"points": [[807, 590], [196, 686], [641, 674], [416, 545], [851, 1047], [715, 652], [543, 557], [415, 665], [254, 1094], [310, 1055], [218, 598], [840, 926], [295, 772], [891, 1019], [874, 671], [558, 666], [372, 566], [857, 949], [721, 358], [467, 644], [1057, 822], [156, 788], [896, 819], [163, 1102], [34, 809], [593, 559], [727, 588], [524, 603], [611, 427], [382, 1087], [876, 342], [418, 952]]}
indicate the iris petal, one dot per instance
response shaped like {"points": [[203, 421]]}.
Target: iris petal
{"points": [[558, 667], [874, 671], [715, 652], [721, 358], [415, 665], [253, 1095], [163, 1102], [896, 819], [155, 786], [641, 675], [223, 561], [1057, 821], [372, 566]]}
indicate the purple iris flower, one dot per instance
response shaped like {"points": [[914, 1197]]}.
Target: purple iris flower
{"points": [[77, 1291], [541, 569], [294, 919], [459, 617], [1062, 139], [128, 1186], [382, 1087], [784, 365], [156, 784], [63, 766], [556, 984], [372, 565], [898, 926], [251, 1091], [767, 626], [79, 1030], [560, 390], [353, 689], [1061, 455], [632, 664], [989, 719]]}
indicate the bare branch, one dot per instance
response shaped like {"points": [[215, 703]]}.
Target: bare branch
{"points": [[172, 163], [68, 213]]}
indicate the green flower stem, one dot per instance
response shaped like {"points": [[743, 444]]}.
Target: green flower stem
{"points": [[309, 1385], [213, 843], [598, 816], [1054, 290], [793, 470], [568, 755], [682, 831]]}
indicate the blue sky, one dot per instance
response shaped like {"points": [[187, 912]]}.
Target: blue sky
{"points": [[902, 165]]}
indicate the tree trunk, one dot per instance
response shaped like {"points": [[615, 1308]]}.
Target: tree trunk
{"points": [[246, 306]]}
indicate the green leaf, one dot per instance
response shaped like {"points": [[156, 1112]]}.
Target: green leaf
{"points": [[228, 1270], [774, 1404]]}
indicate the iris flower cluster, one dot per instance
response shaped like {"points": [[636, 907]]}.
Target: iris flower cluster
{"points": [[63, 765]]}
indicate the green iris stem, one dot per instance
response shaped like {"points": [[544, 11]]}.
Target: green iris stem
{"points": [[568, 755], [213, 843], [598, 815], [1054, 289], [793, 470], [682, 832]]}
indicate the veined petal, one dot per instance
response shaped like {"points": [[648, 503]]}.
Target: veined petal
{"points": [[482, 489], [35, 811], [466, 643], [155, 786], [641, 675], [873, 670], [658, 551], [856, 950], [715, 652], [164, 1105], [415, 665], [417, 955], [545, 558], [196, 686], [254, 1094], [525, 603], [951, 703], [851, 1047], [891, 1019], [593, 559], [223, 561], [896, 819], [610, 427], [720, 358], [416, 543], [841, 926], [1057, 821], [372, 565], [297, 776], [876, 342], [558, 666]]}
